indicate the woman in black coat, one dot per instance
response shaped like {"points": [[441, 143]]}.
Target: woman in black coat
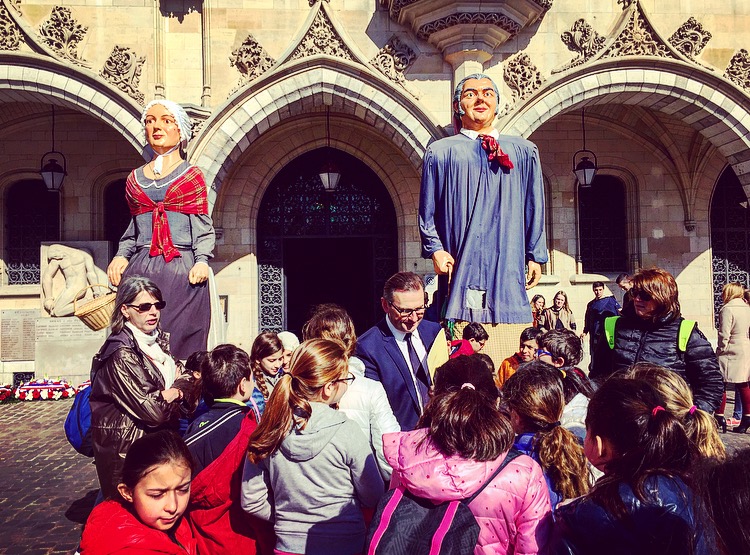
{"points": [[650, 331]]}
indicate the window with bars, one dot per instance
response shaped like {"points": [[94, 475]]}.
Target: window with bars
{"points": [[602, 217], [32, 215]]}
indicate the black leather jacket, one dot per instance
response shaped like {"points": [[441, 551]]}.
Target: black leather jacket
{"points": [[638, 340], [126, 402], [671, 523]]}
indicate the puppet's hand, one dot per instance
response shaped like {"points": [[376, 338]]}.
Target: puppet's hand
{"points": [[116, 268], [534, 275], [198, 273], [441, 260]]}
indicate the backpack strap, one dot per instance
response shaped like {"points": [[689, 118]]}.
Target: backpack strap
{"points": [[385, 519], [686, 329], [512, 454], [609, 330]]}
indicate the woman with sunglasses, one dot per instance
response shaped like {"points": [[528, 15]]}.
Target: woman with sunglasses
{"points": [[651, 333], [137, 387]]}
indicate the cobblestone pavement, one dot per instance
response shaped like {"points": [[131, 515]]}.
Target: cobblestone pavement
{"points": [[47, 489]]}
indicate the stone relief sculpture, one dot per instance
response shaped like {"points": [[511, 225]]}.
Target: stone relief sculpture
{"points": [[63, 33], [522, 76], [10, 36], [251, 60], [690, 38], [477, 18], [583, 40], [322, 38], [393, 59], [638, 39], [123, 69], [738, 70], [77, 269]]}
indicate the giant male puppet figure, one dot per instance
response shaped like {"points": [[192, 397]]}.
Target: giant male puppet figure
{"points": [[481, 220]]}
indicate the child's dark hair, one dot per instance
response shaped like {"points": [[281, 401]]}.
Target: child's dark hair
{"points": [[566, 344], [535, 394], [475, 331], [726, 489], [162, 447], [194, 361], [266, 344], [462, 418], [647, 439], [487, 359], [530, 333], [222, 371]]}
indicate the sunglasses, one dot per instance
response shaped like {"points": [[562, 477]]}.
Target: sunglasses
{"points": [[145, 307], [348, 379], [641, 295], [542, 352]]}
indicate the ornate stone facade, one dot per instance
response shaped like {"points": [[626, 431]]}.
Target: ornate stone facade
{"points": [[690, 39], [10, 36], [123, 69], [251, 60], [63, 33], [393, 59], [638, 39], [584, 41], [322, 38], [469, 18], [738, 70], [522, 76]]}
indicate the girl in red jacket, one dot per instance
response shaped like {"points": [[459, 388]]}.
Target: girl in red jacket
{"points": [[155, 491]]}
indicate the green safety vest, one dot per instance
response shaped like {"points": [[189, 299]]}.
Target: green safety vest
{"points": [[686, 328]]}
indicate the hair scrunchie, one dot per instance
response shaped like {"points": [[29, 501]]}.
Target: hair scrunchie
{"points": [[692, 409], [563, 372], [468, 385], [657, 408]]}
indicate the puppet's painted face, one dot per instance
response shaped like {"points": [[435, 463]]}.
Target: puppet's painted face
{"points": [[162, 132], [479, 103]]}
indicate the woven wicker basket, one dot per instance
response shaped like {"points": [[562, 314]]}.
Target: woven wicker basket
{"points": [[97, 312]]}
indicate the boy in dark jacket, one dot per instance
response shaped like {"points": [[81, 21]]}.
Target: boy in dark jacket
{"points": [[218, 442]]}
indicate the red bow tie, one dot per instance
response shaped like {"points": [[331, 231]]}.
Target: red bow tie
{"points": [[494, 152]]}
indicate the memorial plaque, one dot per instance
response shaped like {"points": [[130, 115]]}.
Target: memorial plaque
{"points": [[65, 347], [17, 334]]}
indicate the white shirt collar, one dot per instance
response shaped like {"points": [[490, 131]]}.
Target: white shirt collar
{"points": [[398, 334], [474, 134]]}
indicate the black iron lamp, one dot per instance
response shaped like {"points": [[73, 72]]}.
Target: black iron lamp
{"points": [[51, 171], [329, 172], [584, 167]]}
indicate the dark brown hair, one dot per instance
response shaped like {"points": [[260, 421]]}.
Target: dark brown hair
{"points": [[645, 441], [662, 288], [222, 370], [315, 363], [535, 394], [266, 344], [127, 291], [157, 448], [402, 281], [463, 418]]}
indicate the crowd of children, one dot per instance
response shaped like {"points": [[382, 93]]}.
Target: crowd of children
{"points": [[294, 450]]}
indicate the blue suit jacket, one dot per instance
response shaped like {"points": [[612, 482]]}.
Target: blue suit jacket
{"points": [[385, 363]]}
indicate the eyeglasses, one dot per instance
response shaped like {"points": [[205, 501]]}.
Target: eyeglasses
{"points": [[542, 352], [641, 295], [406, 312], [349, 379], [145, 307]]}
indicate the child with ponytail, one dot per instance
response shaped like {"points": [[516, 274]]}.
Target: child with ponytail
{"points": [[461, 441], [644, 503], [678, 399], [534, 398], [310, 469], [266, 359]]}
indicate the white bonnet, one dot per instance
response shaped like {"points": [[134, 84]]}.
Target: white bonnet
{"points": [[184, 123], [288, 340]]}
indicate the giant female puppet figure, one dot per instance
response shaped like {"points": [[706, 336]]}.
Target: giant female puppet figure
{"points": [[170, 237], [481, 218]]}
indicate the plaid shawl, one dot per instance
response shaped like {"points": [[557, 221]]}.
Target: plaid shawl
{"points": [[186, 195]]}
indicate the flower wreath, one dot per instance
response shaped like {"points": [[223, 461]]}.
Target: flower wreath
{"points": [[44, 389], [6, 392]]}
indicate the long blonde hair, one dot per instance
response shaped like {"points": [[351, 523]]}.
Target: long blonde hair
{"points": [[678, 399], [315, 363], [732, 290]]}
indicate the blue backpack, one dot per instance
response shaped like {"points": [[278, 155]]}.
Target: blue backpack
{"points": [[405, 524], [78, 424]]}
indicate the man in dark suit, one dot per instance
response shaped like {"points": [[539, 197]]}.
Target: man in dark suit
{"points": [[395, 350]]}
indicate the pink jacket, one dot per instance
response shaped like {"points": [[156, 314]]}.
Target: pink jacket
{"points": [[510, 511]]}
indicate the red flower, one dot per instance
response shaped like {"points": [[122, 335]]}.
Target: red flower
{"points": [[65, 394], [36, 394], [22, 396], [50, 394]]}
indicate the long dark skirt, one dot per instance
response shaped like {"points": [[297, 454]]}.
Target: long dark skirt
{"points": [[187, 316]]}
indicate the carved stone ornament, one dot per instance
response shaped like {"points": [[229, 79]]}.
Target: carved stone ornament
{"points": [[313, 2], [15, 4], [690, 39], [393, 59], [583, 40], [251, 60], [62, 33], [738, 70], [464, 18], [627, 3], [396, 7], [10, 36], [546, 4], [522, 76], [123, 69], [321, 38], [638, 39]]}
